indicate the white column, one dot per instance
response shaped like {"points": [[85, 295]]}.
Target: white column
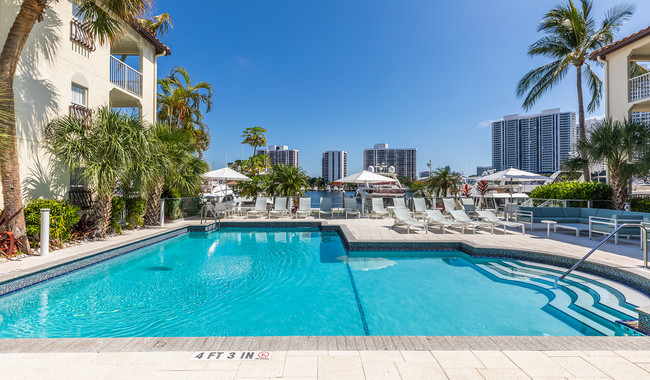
{"points": [[162, 212], [45, 231]]}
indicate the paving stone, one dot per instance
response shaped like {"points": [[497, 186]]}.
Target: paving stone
{"points": [[383, 370], [457, 359], [420, 371], [340, 368], [537, 364]]}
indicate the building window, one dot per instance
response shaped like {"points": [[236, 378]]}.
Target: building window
{"points": [[79, 95], [79, 103]]}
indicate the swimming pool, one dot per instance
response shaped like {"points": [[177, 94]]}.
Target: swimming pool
{"points": [[281, 282]]}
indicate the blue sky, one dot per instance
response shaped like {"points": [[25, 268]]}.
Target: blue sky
{"points": [[344, 75]]}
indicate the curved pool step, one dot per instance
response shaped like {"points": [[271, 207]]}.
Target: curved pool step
{"points": [[609, 297], [561, 300], [582, 297]]}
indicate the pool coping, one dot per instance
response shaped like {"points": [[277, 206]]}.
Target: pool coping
{"points": [[90, 257]]}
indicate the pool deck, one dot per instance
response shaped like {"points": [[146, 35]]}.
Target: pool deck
{"points": [[342, 357]]}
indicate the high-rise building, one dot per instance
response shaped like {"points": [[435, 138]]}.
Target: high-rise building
{"points": [[404, 160], [536, 143], [281, 154], [335, 165]]}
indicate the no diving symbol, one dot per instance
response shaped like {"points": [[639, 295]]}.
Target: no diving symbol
{"points": [[263, 354]]}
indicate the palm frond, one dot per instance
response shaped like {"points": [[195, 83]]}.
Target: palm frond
{"points": [[595, 87], [539, 81]]}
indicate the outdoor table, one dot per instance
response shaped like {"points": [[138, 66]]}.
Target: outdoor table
{"points": [[548, 226], [578, 228]]}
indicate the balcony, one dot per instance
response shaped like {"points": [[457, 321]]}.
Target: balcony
{"points": [[640, 87], [126, 77], [79, 35]]}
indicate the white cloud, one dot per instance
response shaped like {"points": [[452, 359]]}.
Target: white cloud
{"points": [[244, 63], [485, 123]]}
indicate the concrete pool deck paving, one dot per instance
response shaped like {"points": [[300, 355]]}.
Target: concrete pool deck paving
{"points": [[341, 357]]}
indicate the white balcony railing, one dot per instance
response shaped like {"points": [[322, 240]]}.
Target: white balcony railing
{"points": [[126, 76], [640, 87]]}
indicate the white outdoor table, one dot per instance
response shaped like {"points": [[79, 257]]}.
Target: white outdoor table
{"points": [[548, 226]]}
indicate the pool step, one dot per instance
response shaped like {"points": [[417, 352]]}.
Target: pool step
{"points": [[561, 301], [583, 299]]}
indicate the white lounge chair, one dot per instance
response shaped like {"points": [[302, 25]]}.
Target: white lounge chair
{"points": [[304, 208], [351, 208], [404, 218], [489, 217], [259, 210], [435, 217], [460, 216], [449, 204], [420, 205], [378, 209], [400, 205], [280, 208], [325, 206], [469, 206]]}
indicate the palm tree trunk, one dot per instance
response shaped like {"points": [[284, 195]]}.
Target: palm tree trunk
{"points": [[152, 213], [102, 215], [30, 12], [582, 132], [620, 190]]}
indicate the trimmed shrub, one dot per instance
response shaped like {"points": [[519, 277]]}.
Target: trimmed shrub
{"points": [[573, 190], [117, 207], [640, 204], [135, 208], [62, 217]]}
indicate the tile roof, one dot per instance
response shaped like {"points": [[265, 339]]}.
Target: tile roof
{"points": [[144, 32], [602, 52]]}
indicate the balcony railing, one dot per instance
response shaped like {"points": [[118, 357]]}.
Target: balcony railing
{"points": [[640, 87], [79, 35], [126, 77], [82, 113]]}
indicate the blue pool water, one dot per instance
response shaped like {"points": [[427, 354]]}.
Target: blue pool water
{"points": [[241, 282]]}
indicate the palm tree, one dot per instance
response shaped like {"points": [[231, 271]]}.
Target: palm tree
{"points": [[254, 136], [444, 182], [107, 152], [180, 105], [287, 180], [171, 164], [6, 120], [624, 147], [104, 23], [158, 25], [571, 34]]}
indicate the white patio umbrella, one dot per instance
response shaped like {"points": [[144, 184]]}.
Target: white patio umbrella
{"points": [[513, 175], [225, 174], [364, 177]]}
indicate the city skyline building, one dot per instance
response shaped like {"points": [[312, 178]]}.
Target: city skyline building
{"points": [[403, 159], [281, 154], [335, 165], [538, 143]]}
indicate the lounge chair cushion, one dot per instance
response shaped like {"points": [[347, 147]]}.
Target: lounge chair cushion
{"points": [[552, 212], [572, 212]]}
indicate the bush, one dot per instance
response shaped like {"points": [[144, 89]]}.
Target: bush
{"points": [[135, 208], [573, 190], [117, 206], [62, 217], [640, 204]]}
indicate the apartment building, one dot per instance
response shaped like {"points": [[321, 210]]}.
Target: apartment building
{"points": [[335, 165], [627, 80], [63, 71], [403, 159], [281, 154], [535, 143]]}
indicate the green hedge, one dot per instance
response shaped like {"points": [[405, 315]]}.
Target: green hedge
{"points": [[135, 208], [573, 190], [117, 206], [640, 204], [62, 217]]}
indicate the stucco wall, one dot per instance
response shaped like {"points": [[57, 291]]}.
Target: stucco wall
{"points": [[50, 62]]}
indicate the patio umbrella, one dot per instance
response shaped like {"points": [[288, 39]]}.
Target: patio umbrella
{"points": [[364, 177], [225, 174], [513, 175]]}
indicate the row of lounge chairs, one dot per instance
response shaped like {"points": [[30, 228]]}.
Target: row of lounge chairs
{"points": [[280, 208]]}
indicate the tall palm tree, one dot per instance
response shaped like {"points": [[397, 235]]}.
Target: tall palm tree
{"points": [[180, 105], [288, 180], [106, 152], [624, 147], [254, 136], [571, 34], [172, 163], [104, 23], [444, 182], [158, 25], [6, 120]]}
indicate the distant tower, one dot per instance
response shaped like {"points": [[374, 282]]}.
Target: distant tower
{"points": [[403, 160], [335, 165]]}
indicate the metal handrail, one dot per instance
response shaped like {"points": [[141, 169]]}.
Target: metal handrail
{"points": [[644, 240]]}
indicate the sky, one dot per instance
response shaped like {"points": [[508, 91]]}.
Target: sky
{"points": [[325, 75]]}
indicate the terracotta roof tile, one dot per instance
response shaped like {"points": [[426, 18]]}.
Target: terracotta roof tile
{"points": [[602, 52], [144, 32]]}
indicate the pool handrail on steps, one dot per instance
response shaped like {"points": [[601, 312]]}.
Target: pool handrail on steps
{"points": [[644, 242]]}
